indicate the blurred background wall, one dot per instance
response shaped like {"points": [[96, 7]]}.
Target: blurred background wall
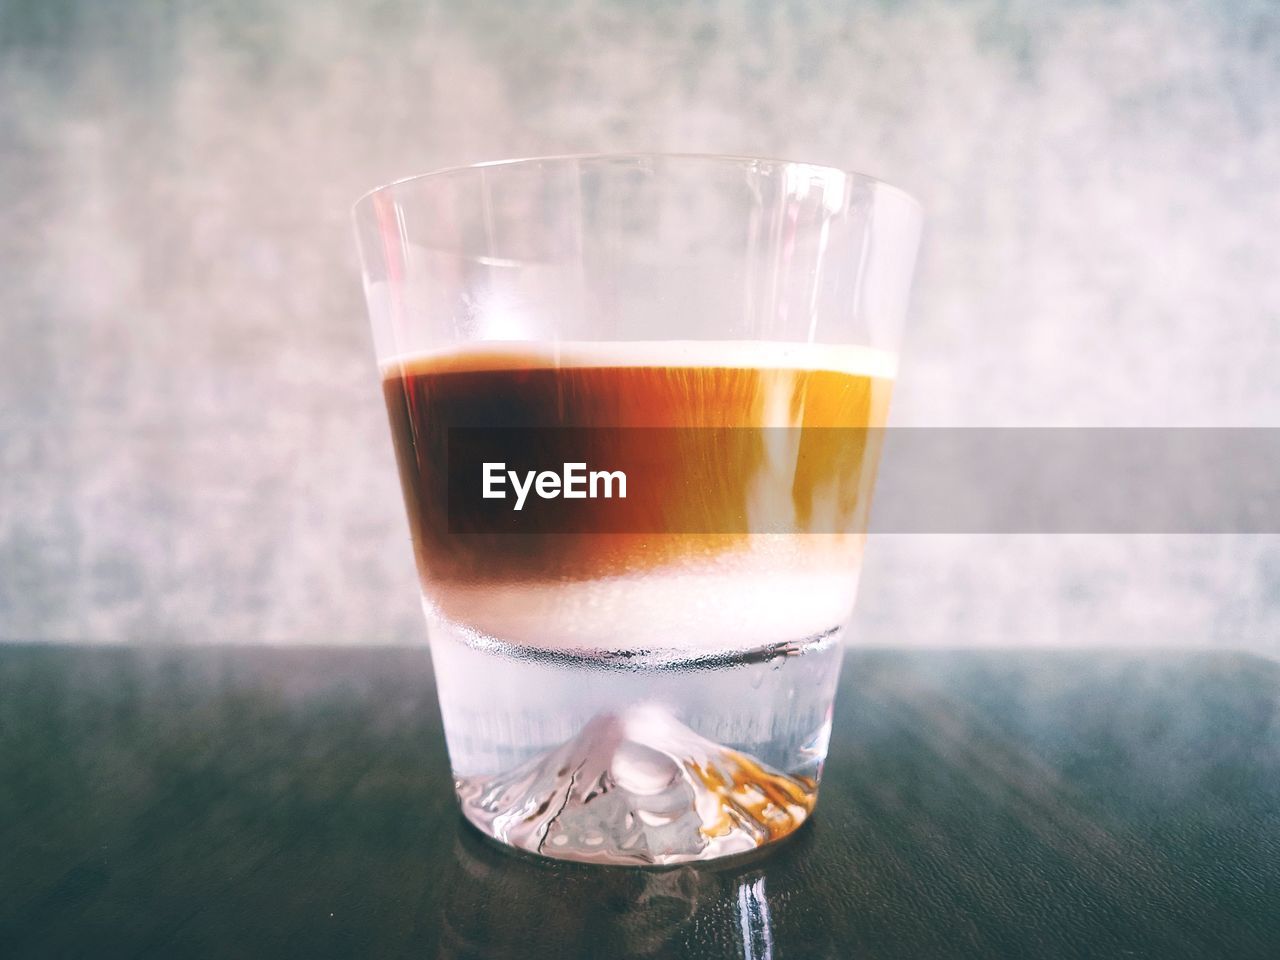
{"points": [[192, 446]]}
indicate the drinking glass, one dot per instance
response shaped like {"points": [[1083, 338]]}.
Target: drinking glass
{"points": [[635, 402]]}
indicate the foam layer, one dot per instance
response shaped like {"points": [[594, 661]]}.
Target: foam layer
{"points": [[798, 587], [722, 354]]}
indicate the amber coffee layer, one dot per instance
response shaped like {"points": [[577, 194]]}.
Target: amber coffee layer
{"points": [[717, 438]]}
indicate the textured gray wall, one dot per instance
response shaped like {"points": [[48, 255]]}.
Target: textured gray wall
{"points": [[191, 442]]}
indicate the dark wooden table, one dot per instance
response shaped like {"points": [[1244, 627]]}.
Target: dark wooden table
{"points": [[250, 802]]}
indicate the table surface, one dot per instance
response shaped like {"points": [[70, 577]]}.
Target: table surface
{"points": [[246, 802]]}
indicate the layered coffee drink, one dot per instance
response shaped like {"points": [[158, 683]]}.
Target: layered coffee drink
{"points": [[743, 473], [640, 556], [637, 488]]}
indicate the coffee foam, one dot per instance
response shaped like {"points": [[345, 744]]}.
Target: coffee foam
{"points": [[774, 587], [653, 612], [714, 354]]}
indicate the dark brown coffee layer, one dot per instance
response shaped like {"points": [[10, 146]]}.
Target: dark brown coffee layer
{"points": [[736, 446]]}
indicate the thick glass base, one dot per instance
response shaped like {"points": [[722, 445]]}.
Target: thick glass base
{"points": [[638, 787], [636, 758]]}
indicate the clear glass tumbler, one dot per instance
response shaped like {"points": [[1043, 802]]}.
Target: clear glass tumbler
{"points": [[636, 402]]}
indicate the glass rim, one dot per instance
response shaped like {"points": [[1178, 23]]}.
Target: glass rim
{"points": [[727, 158]]}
